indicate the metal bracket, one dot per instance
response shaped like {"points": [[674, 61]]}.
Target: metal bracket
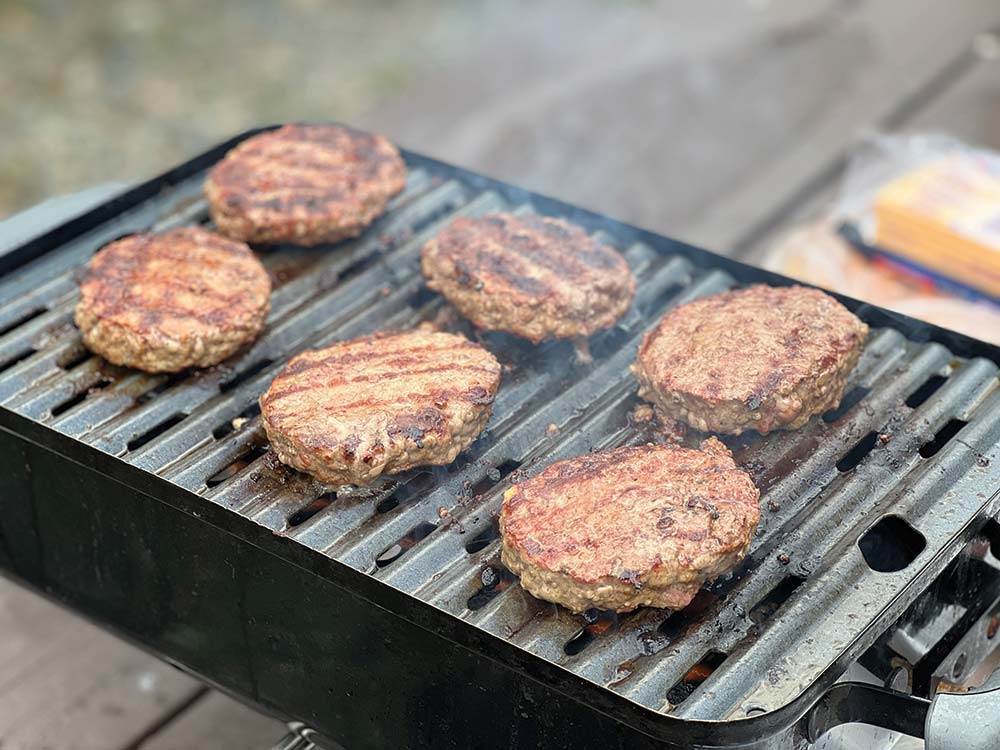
{"points": [[858, 702], [965, 721]]}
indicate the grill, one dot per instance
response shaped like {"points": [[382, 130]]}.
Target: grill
{"points": [[151, 502]]}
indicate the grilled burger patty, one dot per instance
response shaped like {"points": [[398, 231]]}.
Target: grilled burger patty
{"points": [[305, 184], [631, 527], [162, 302], [380, 405], [533, 276], [760, 358]]}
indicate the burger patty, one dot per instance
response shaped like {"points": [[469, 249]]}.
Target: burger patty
{"points": [[532, 276], [162, 302], [304, 184], [380, 405], [631, 527], [760, 358]]}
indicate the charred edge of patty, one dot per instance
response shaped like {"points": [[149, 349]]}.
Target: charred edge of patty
{"points": [[150, 351], [400, 449], [611, 592], [770, 410]]}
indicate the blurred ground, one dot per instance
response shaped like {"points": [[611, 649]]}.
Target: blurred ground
{"points": [[665, 113]]}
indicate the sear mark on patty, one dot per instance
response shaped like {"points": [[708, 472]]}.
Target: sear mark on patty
{"points": [[304, 184], [165, 301], [380, 405], [533, 276]]}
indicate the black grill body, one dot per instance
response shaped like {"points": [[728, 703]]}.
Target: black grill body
{"points": [[151, 504]]}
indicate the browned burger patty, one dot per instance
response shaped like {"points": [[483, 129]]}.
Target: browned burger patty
{"points": [[162, 302], [532, 276], [380, 405], [760, 358], [305, 184], [632, 527]]}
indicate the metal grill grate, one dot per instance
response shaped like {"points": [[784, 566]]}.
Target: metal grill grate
{"points": [[750, 643]]}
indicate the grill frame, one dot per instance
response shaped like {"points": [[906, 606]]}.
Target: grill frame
{"points": [[562, 693]]}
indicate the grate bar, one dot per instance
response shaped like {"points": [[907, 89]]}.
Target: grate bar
{"points": [[782, 505], [113, 402], [891, 472], [363, 544], [432, 532], [347, 315]]}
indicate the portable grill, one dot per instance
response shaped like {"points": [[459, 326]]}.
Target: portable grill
{"points": [[384, 617]]}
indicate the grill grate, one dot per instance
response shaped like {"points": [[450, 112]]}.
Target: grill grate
{"points": [[804, 594]]}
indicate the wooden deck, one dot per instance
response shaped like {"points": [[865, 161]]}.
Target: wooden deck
{"points": [[722, 136]]}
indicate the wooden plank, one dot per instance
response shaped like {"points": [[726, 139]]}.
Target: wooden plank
{"points": [[970, 109], [219, 722], [66, 684], [906, 63], [967, 110], [698, 129]]}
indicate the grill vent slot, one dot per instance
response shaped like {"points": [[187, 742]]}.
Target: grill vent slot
{"points": [[771, 603], [946, 433], [302, 515], [243, 461], [77, 359], [397, 550], [598, 622], [992, 532], [156, 431], [694, 677], [227, 428], [236, 380], [17, 358], [65, 406], [28, 316], [484, 538], [847, 403], [494, 579], [160, 387], [891, 545], [493, 477], [925, 391], [856, 455]]}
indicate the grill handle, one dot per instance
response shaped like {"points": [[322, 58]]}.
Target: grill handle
{"points": [[965, 721], [859, 702], [950, 721]]}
